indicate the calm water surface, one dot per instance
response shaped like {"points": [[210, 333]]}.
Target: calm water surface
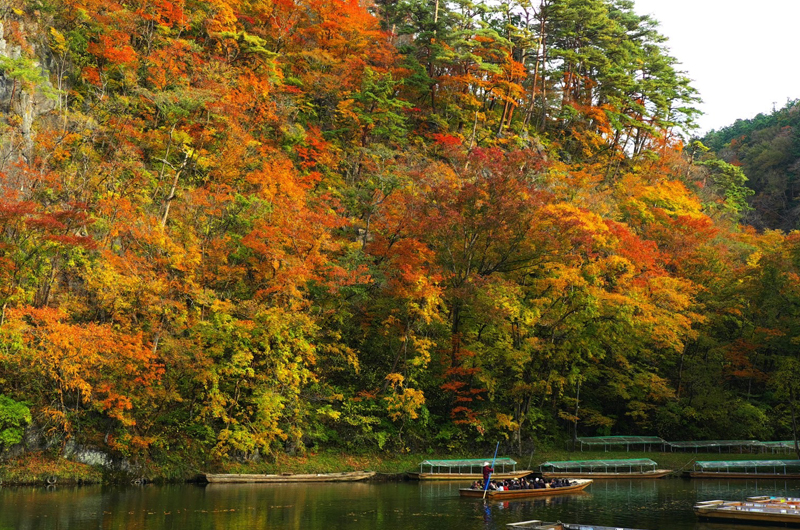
{"points": [[655, 505]]}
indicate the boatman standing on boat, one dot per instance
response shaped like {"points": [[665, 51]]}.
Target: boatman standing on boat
{"points": [[487, 470]]}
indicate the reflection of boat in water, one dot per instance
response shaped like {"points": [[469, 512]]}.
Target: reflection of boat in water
{"points": [[466, 469], [747, 469], [767, 510], [604, 469], [351, 476], [575, 486], [540, 525]]}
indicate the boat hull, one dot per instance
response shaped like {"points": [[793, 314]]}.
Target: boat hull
{"points": [[766, 513], [658, 473], [211, 478], [580, 485], [540, 525], [467, 476]]}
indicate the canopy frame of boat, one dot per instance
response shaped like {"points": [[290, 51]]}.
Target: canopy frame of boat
{"points": [[466, 466], [621, 465], [748, 467], [618, 441], [781, 446], [719, 445]]}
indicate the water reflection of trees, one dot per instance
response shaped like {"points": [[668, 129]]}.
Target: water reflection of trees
{"points": [[441, 488], [393, 506], [638, 491]]}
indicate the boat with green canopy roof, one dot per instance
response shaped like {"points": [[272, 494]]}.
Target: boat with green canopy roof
{"points": [[746, 469], [606, 469], [466, 469]]}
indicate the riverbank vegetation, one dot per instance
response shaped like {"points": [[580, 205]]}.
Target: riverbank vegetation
{"points": [[46, 469], [233, 231], [39, 468]]}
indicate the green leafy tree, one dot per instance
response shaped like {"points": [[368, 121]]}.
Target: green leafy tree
{"points": [[14, 416]]}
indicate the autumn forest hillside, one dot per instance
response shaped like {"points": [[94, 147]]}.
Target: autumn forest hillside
{"points": [[231, 229], [767, 149]]}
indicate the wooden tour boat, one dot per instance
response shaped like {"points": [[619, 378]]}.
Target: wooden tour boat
{"points": [[769, 511], [349, 476], [748, 469], [575, 486], [541, 525], [769, 499], [466, 469], [603, 469]]}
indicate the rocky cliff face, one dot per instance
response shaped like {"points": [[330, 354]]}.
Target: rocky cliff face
{"points": [[24, 96]]}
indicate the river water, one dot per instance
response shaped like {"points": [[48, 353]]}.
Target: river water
{"points": [[664, 504]]}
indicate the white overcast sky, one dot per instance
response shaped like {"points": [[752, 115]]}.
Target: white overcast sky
{"points": [[743, 56]]}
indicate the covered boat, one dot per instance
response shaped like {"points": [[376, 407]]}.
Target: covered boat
{"points": [[643, 443], [541, 525], [605, 469], [765, 512], [466, 469], [575, 486], [349, 476], [746, 469]]}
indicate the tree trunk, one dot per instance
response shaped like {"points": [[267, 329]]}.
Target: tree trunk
{"points": [[430, 57], [532, 105], [474, 131], [171, 196], [794, 422], [575, 421], [542, 77], [680, 374]]}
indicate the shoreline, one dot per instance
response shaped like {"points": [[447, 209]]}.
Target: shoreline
{"points": [[39, 469]]}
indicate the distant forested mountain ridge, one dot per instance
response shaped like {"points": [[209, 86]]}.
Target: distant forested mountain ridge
{"points": [[231, 229], [767, 148]]}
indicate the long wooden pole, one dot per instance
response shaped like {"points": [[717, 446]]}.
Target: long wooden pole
{"points": [[486, 486]]}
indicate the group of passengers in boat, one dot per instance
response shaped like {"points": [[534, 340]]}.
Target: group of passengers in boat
{"points": [[521, 484], [516, 484]]}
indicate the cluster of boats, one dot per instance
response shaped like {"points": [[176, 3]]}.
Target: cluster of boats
{"points": [[762, 510], [579, 474], [505, 468]]}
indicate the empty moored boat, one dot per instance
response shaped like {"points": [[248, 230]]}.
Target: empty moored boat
{"points": [[746, 469], [604, 469], [764, 512], [349, 476]]}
